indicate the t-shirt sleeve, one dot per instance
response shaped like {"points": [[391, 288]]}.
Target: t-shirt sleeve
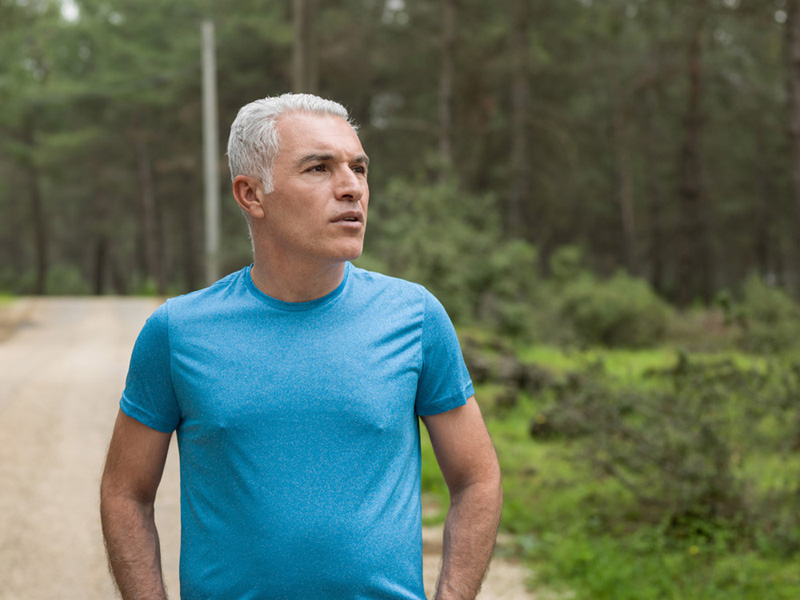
{"points": [[149, 396], [444, 382]]}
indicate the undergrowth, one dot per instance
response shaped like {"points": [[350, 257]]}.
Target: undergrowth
{"points": [[653, 474]]}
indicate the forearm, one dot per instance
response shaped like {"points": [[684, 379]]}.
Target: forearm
{"points": [[134, 552], [469, 536]]}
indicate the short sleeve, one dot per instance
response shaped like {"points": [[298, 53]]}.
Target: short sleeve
{"points": [[149, 396], [444, 382]]}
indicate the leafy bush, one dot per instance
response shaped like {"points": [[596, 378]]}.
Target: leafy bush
{"points": [[681, 448], [65, 279], [621, 311], [463, 259], [647, 566], [646, 477], [769, 318], [673, 456], [566, 264]]}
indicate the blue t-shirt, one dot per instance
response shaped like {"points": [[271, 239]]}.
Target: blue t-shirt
{"points": [[298, 433]]}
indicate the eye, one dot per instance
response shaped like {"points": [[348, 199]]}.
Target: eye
{"points": [[316, 169], [360, 169]]}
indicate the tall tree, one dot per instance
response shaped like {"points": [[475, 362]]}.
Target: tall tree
{"points": [[651, 136], [447, 81], [518, 196], [149, 210], [35, 196], [694, 248], [793, 100], [624, 182]]}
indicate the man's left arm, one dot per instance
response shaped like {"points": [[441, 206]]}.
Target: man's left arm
{"points": [[469, 464]]}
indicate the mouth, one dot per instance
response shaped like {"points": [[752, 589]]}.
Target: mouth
{"points": [[349, 218]]}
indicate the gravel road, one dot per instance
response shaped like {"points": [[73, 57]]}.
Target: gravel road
{"points": [[62, 368]]}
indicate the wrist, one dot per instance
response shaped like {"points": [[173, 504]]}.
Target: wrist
{"points": [[450, 591]]}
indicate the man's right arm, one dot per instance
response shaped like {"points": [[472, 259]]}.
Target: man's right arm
{"points": [[133, 470]]}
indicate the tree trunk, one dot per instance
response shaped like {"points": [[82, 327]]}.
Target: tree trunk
{"points": [[694, 256], [624, 186], [101, 241], [793, 99], [446, 79], [305, 50], [118, 275], [40, 234], [520, 102], [152, 240], [654, 193], [193, 232], [762, 222], [40, 229]]}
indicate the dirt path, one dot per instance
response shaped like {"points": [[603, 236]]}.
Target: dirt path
{"points": [[61, 374]]}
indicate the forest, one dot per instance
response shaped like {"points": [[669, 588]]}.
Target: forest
{"points": [[605, 195], [659, 137]]}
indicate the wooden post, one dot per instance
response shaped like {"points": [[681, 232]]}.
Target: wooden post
{"points": [[210, 154]]}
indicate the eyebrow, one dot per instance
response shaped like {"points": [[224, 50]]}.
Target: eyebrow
{"points": [[312, 158]]}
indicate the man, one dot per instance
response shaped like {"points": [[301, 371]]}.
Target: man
{"points": [[294, 386]]}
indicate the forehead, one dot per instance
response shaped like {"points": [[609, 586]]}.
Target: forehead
{"points": [[300, 133]]}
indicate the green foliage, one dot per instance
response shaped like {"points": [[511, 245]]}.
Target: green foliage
{"points": [[620, 311], [769, 317], [110, 101], [464, 261], [67, 280], [147, 288], [647, 566], [649, 476], [680, 447], [567, 264]]}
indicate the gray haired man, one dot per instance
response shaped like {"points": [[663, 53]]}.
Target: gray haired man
{"points": [[295, 387]]}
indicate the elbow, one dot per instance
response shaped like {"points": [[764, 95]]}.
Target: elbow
{"points": [[497, 485], [119, 501], [486, 486]]}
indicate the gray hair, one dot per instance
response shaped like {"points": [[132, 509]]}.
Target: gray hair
{"points": [[253, 143]]}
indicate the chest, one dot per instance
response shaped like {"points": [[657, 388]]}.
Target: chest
{"points": [[289, 374]]}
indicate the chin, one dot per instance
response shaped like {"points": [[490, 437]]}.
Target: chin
{"points": [[353, 256], [351, 252]]}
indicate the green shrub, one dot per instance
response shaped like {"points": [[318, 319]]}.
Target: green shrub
{"points": [[647, 566], [566, 264], [450, 241], [621, 311], [690, 450], [769, 318], [67, 280]]}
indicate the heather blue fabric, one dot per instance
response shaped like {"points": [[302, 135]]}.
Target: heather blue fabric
{"points": [[298, 433]]}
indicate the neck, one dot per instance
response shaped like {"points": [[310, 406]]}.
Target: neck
{"points": [[295, 282]]}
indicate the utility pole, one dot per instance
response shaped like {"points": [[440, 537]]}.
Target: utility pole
{"points": [[305, 48], [210, 154]]}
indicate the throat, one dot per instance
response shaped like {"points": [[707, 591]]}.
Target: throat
{"points": [[292, 283]]}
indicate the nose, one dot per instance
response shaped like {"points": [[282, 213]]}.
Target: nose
{"points": [[347, 185]]}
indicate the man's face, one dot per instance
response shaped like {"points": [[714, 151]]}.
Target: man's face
{"points": [[317, 210]]}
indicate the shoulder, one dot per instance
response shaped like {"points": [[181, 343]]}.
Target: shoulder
{"points": [[394, 296], [378, 284], [209, 299]]}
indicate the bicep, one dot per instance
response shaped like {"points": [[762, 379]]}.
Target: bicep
{"points": [[135, 461], [462, 446]]}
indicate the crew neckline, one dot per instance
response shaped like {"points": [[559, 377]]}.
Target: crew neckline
{"points": [[296, 306]]}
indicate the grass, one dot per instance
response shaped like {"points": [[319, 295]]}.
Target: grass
{"points": [[581, 531], [630, 365]]}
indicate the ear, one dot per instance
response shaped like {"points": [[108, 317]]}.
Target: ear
{"points": [[248, 193]]}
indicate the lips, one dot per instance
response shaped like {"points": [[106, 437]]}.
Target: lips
{"points": [[349, 217]]}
